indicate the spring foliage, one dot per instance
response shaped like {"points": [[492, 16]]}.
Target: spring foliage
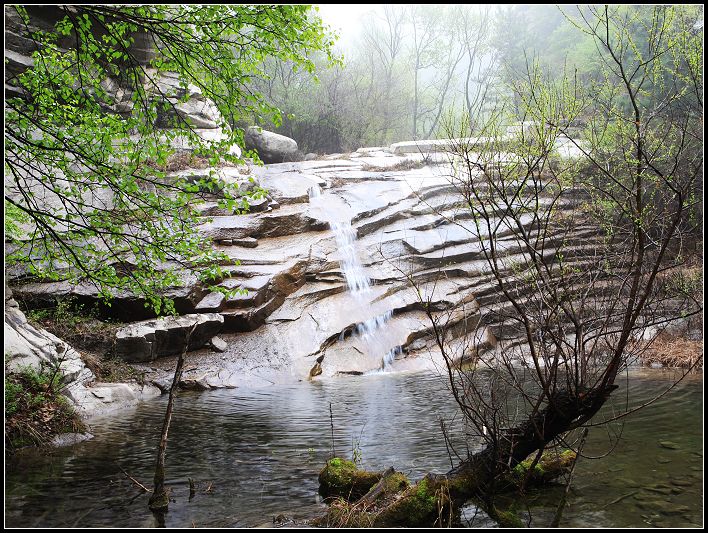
{"points": [[87, 192]]}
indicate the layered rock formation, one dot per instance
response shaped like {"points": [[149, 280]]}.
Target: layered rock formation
{"points": [[297, 306], [36, 348], [148, 340]]}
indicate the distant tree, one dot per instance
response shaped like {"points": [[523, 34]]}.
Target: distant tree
{"points": [[87, 195]]}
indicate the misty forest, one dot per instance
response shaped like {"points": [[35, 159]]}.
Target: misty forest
{"points": [[353, 266]]}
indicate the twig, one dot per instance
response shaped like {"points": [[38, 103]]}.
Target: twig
{"points": [[561, 505], [617, 500], [131, 478], [331, 422], [159, 501]]}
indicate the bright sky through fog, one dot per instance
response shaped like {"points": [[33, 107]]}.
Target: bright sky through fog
{"points": [[344, 18]]}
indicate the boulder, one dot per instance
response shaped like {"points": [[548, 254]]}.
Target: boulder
{"points": [[271, 147], [150, 339], [27, 346]]}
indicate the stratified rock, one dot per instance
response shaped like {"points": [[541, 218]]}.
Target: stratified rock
{"points": [[271, 147], [185, 103], [211, 303], [125, 305], [257, 205], [150, 339]]}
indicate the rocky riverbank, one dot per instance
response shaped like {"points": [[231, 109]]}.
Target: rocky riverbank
{"points": [[405, 222]]}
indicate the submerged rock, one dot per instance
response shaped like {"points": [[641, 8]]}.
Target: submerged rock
{"points": [[69, 439], [98, 398]]}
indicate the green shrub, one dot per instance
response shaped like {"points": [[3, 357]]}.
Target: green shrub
{"points": [[35, 410]]}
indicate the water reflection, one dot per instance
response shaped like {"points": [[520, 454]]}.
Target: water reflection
{"points": [[261, 450]]}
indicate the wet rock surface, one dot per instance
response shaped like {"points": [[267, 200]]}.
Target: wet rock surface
{"points": [[402, 215]]}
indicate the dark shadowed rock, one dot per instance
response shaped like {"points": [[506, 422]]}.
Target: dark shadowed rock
{"points": [[246, 242], [150, 339]]}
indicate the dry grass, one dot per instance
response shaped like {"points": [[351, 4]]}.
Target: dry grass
{"points": [[186, 160], [406, 164], [674, 351]]}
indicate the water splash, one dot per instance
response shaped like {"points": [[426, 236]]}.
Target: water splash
{"points": [[390, 357], [314, 192]]}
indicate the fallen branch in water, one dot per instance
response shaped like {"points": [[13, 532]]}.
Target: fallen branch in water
{"points": [[131, 478], [617, 500]]}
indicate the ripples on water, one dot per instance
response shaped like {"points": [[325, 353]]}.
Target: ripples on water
{"points": [[262, 450]]}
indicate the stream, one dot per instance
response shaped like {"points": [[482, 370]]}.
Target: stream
{"points": [[255, 454]]}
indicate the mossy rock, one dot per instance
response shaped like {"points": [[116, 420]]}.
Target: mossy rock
{"points": [[342, 478]]}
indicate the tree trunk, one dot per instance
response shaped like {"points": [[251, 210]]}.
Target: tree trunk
{"points": [[159, 501]]}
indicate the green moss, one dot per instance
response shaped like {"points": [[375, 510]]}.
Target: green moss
{"points": [[550, 466], [396, 483], [337, 462], [417, 507], [523, 467], [342, 478], [568, 455], [507, 519]]}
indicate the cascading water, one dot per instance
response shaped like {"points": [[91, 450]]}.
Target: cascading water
{"points": [[358, 283]]}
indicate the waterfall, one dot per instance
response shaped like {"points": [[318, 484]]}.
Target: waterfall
{"points": [[358, 281]]}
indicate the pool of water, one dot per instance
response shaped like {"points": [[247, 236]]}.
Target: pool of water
{"points": [[255, 454]]}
